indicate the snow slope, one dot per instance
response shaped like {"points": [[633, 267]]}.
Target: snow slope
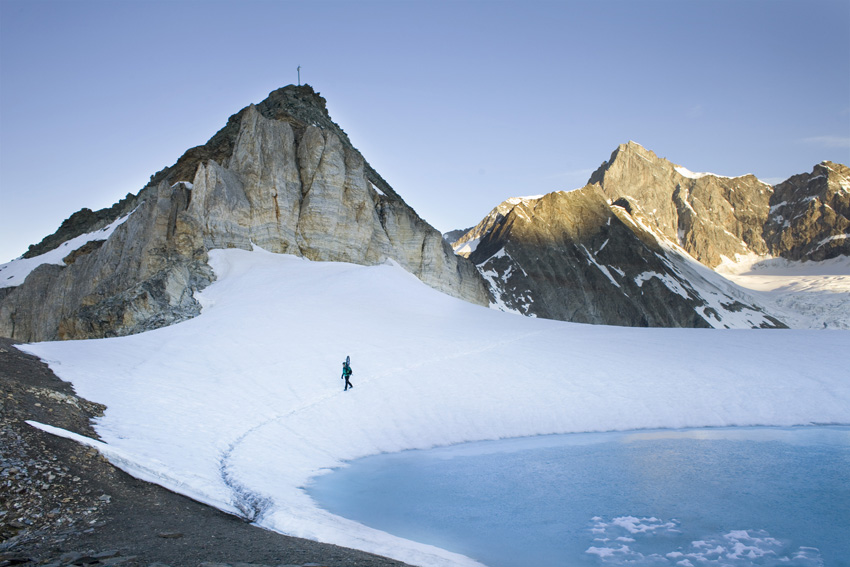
{"points": [[804, 295], [243, 405], [15, 272]]}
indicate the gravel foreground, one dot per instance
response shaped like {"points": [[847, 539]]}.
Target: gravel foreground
{"points": [[63, 504]]}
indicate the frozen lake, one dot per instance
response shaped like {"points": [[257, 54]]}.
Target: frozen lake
{"points": [[688, 498]]}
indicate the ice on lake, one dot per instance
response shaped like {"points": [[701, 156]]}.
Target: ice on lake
{"points": [[706, 497]]}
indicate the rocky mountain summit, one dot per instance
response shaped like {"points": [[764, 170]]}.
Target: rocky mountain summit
{"points": [[636, 245], [809, 216], [280, 175], [711, 216]]}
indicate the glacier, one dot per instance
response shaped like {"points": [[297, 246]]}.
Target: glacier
{"points": [[243, 405]]}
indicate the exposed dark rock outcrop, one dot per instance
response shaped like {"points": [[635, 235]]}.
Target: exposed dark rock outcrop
{"points": [[82, 222]]}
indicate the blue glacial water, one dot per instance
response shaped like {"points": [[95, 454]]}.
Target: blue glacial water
{"points": [[692, 498]]}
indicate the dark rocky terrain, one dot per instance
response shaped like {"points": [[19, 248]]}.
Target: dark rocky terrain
{"points": [[63, 504]]}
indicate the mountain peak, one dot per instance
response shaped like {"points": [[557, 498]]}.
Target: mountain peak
{"points": [[280, 175], [301, 102], [634, 146], [624, 152], [303, 93]]}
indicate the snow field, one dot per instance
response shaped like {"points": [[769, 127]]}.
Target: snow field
{"points": [[805, 295], [243, 405]]}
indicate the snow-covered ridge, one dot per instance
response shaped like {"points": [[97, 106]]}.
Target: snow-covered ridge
{"points": [[14, 273], [685, 172], [254, 415], [518, 200]]}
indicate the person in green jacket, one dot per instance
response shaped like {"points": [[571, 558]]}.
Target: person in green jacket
{"points": [[346, 373]]}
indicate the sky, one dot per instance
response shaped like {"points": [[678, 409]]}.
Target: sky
{"points": [[457, 104]]}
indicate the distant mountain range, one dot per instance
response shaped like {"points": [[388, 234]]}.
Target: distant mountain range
{"points": [[636, 246]]}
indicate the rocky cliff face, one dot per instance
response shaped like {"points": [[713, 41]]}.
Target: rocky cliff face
{"points": [[140, 278], [712, 217], [280, 175], [809, 216], [573, 256], [635, 245], [707, 215]]}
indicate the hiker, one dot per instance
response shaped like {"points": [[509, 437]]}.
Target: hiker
{"points": [[346, 373]]}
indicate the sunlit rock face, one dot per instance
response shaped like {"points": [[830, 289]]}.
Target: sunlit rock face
{"points": [[634, 246], [708, 215], [575, 257], [712, 217], [810, 214], [280, 175]]}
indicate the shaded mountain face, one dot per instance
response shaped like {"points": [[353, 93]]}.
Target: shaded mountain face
{"points": [[634, 247], [571, 256], [454, 235], [280, 175]]}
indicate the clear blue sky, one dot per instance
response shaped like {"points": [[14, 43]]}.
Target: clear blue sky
{"points": [[459, 105]]}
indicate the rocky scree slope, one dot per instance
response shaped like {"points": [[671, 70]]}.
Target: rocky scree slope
{"points": [[280, 175], [624, 249]]}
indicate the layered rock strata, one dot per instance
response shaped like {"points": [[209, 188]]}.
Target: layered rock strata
{"points": [[280, 175]]}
